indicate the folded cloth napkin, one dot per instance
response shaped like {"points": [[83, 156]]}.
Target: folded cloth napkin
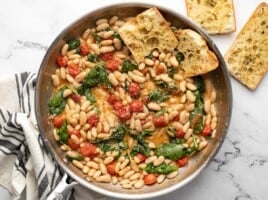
{"points": [[27, 170]]}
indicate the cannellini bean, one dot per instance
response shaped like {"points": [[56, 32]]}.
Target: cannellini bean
{"points": [[102, 26], [191, 86], [136, 78], [112, 79], [188, 133], [97, 174], [95, 48], [55, 134], [124, 164], [173, 114], [119, 23], [124, 171], [172, 175], [173, 61], [159, 161], [106, 49], [129, 173], [92, 164], [150, 159], [141, 66], [149, 61], [108, 160], [108, 34], [126, 186], [69, 78], [178, 77], [190, 96], [67, 92], [106, 42], [182, 86], [101, 21], [82, 118], [64, 49], [86, 34], [104, 178], [91, 172], [113, 20], [154, 106], [85, 170], [139, 184], [55, 80], [114, 180], [161, 178], [117, 43], [134, 176], [62, 73], [103, 168], [80, 77], [78, 164]]}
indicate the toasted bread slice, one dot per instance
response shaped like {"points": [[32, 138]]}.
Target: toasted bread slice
{"points": [[247, 58], [215, 16], [198, 59], [148, 31]]}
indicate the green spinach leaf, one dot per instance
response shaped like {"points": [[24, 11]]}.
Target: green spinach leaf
{"points": [[180, 57], [93, 57], [128, 66], [90, 96], [171, 151], [164, 168], [63, 133], [73, 44], [158, 96], [57, 102]]}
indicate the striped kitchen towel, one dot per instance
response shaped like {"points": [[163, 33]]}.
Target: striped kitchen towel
{"points": [[27, 171]]}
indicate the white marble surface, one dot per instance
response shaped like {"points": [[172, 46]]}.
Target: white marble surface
{"points": [[240, 169]]}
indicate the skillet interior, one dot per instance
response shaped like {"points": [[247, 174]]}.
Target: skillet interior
{"points": [[219, 78]]}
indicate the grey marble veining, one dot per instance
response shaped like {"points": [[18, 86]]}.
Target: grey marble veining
{"points": [[240, 169]]}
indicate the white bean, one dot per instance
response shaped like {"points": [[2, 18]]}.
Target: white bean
{"points": [[154, 106], [106, 49]]}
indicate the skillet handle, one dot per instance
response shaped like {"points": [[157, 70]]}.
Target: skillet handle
{"points": [[62, 189]]}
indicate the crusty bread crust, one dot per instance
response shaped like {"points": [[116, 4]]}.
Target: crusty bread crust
{"points": [[148, 31], [247, 58], [215, 16], [198, 59]]}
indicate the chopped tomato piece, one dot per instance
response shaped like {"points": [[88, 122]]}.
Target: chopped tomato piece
{"points": [[93, 120], [72, 144], [206, 131], [88, 149], [58, 121], [107, 56], [160, 69], [112, 99], [177, 117], [113, 64], [150, 179], [76, 98], [136, 106], [183, 161], [159, 121], [118, 105], [134, 89], [111, 168], [75, 132], [73, 70], [180, 133], [123, 113], [141, 157], [84, 50], [62, 61], [144, 71]]}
